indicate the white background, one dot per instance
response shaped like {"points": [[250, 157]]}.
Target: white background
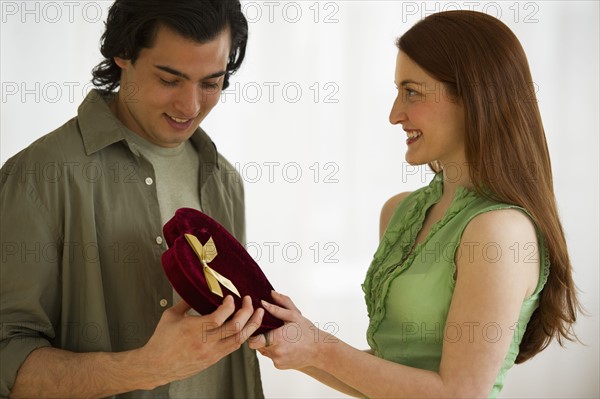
{"points": [[319, 164]]}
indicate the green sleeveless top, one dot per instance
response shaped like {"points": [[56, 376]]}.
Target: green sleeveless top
{"points": [[408, 293]]}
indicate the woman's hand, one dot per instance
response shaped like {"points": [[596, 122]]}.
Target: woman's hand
{"points": [[295, 345]]}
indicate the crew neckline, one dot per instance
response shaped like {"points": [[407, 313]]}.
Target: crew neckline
{"points": [[152, 148]]}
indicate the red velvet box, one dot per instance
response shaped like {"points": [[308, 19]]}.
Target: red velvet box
{"points": [[186, 272]]}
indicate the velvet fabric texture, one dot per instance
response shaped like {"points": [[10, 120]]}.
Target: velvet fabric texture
{"points": [[185, 271]]}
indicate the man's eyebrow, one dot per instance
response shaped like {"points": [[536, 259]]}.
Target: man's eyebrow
{"points": [[172, 71], [215, 75], [186, 77]]}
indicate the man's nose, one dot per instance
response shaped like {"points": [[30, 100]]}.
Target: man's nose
{"points": [[189, 101]]}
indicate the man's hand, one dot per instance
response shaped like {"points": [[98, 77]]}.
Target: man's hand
{"points": [[183, 345]]}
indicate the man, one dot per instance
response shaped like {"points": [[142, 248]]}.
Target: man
{"points": [[86, 310]]}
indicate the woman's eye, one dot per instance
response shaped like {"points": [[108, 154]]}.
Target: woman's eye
{"points": [[410, 92]]}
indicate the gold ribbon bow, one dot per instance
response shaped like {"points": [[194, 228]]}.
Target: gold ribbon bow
{"points": [[206, 253]]}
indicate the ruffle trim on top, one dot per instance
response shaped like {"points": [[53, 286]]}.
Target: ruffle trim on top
{"points": [[545, 272], [546, 268], [398, 241]]}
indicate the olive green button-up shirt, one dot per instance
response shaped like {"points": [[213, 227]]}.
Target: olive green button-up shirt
{"points": [[81, 243]]}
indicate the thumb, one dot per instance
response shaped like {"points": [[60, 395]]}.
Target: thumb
{"points": [[181, 307]]}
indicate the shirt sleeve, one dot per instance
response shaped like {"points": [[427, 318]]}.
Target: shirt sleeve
{"points": [[29, 273]]}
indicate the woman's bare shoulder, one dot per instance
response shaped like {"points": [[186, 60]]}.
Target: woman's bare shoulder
{"points": [[388, 210]]}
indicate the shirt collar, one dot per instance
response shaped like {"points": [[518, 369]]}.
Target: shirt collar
{"points": [[100, 128]]}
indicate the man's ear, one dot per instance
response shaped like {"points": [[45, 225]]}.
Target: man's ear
{"points": [[121, 62]]}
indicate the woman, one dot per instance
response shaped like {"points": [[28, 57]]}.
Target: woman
{"points": [[472, 272]]}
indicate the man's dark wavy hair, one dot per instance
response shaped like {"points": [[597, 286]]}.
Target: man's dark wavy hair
{"points": [[132, 25]]}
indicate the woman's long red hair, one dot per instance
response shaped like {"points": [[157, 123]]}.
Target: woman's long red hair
{"points": [[482, 63]]}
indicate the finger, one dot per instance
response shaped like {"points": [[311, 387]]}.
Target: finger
{"points": [[234, 341], [265, 352], [244, 313], [181, 307], [285, 301], [254, 323], [239, 320], [261, 341], [223, 312], [257, 342], [279, 312]]}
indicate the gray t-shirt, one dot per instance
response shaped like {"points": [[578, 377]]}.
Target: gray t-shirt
{"points": [[176, 172]]}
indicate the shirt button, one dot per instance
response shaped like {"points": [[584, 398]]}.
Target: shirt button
{"points": [[149, 181], [163, 303], [159, 240]]}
